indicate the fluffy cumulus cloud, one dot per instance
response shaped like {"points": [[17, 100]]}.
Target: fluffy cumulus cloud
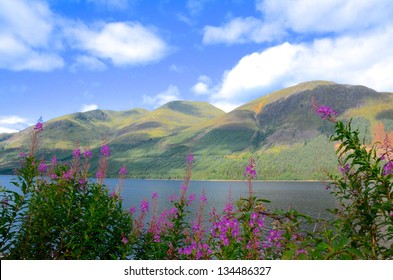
{"points": [[242, 30], [20, 48], [11, 124], [172, 93], [123, 43], [365, 60], [326, 16], [339, 40], [202, 87], [32, 37], [281, 17], [89, 107]]}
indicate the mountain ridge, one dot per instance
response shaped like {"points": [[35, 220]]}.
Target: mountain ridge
{"points": [[279, 129]]}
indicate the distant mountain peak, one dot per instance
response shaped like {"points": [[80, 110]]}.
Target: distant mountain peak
{"points": [[280, 129], [191, 107]]}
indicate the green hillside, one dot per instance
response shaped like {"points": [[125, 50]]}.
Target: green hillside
{"points": [[279, 129]]}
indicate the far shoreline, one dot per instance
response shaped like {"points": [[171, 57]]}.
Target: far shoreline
{"points": [[215, 180]]}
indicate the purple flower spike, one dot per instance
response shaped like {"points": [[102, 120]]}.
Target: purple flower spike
{"points": [[123, 171], [144, 206], [124, 240], [99, 175], [326, 113], [87, 154], [344, 169], [105, 151], [250, 170], [388, 168], [132, 210], [76, 153], [154, 195], [42, 168], [192, 197], [39, 126], [203, 198], [190, 158]]}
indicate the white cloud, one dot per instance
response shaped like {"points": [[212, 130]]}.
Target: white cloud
{"points": [[11, 124], [203, 86], [280, 17], [89, 107], [32, 37], [172, 93], [20, 48], [84, 62], [242, 30], [124, 43], [22, 17], [327, 16], [365, 60]]}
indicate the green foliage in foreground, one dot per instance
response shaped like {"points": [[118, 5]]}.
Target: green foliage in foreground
{"points": [[68, 217], [61, 219]]}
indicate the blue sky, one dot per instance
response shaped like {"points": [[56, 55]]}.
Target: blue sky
{"points": [[64, 56]]}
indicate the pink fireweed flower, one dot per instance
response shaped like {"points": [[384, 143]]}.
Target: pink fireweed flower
{"points": [[87, 154], [301, 251], [105, 151], [228, 207], [173, 211], [99, 175], [82, 182], [123, 171], [326, 113], [190, 158], [388, 168], [203, 198], [144, 207], [344, 169], [132, 210], [250, 170], [183, 191], [67, 175], [76, 153], [124, 240], [183, 188], [22, 154], [39, 126], [54, 160], [113, 194], [192, 197], [172, 198], [42, 168], [154, 195]]}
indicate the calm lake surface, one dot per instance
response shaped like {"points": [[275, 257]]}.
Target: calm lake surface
{"points": [[310, 198]]}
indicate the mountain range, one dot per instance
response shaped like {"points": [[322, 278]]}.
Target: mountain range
{"points": [[280, 130]]}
